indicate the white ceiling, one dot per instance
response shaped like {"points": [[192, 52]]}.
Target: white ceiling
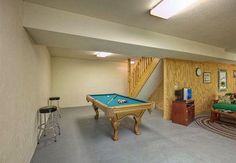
{"points": [[209, 21]]}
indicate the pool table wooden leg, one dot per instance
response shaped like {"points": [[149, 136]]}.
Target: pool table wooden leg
{"points": [[137, 125], [137, 119], [96, 111], [115, 124]]}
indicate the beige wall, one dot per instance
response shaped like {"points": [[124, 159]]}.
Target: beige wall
{"points": [[24, 85], [158, 96], [73, 79], [181, 73]]}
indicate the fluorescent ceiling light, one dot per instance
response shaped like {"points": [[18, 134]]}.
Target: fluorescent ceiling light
{"points": [[102, 54], [168, 8]]}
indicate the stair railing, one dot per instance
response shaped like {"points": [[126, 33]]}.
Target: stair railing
{"points": [[139, 74]]}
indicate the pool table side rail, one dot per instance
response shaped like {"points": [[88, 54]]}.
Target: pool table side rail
{"points": [[147, 106], [144, 105], [110, 111], [118, 95], [132, 98]]}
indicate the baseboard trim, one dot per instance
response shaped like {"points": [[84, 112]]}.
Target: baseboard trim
{"points": [[73, 107]]}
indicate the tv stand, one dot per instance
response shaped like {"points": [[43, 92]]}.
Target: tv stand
{"points": [[183, 112]]}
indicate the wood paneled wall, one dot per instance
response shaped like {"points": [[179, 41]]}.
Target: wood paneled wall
{"points": [[181, 73]]}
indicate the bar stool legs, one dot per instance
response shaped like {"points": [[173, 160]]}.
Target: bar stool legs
{"points": [[58, 110], [52, 123]]}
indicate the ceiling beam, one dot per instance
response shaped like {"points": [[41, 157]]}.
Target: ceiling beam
{"points": [[37, 17]]}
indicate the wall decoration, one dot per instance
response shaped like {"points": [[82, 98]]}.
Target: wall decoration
{"points": [[206, 77], [234, 73], [198, 71], [222, 80]]}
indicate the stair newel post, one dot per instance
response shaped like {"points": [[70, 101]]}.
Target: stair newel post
{"points": [[146, 60], [134, 79], [138, 70], [142, 63], [129, 76], [145, 64]]}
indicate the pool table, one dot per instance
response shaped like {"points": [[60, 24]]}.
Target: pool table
{"points": [[116, 111]]}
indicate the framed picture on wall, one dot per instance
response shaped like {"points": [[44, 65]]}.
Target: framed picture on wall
{"points": [[234, 73], [222, 80], [206, 77]]}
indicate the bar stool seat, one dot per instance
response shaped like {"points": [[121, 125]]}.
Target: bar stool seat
{"points": [[54, 98], [51, 123], [48, 109]]}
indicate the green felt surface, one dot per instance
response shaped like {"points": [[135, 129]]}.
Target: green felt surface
{"points": [[222, 106], [111, 100]]}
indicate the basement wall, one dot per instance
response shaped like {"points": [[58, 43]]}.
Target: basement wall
{"points": [[73, 79], [24, 85]]}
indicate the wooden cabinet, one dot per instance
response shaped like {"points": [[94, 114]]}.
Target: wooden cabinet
{"points": [[183, 112]]}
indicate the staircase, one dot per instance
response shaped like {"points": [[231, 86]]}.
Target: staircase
{"points": [[140, 74]]}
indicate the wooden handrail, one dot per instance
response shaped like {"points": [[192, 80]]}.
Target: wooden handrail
{"points": [[138, 76]]}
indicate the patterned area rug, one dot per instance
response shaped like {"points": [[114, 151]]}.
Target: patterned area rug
{"points": [[226, 127]]}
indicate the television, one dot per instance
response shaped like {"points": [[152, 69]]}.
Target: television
{"points": [[183, 94]]}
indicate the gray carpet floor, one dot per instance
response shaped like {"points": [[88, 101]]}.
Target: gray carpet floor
{"points": [[85, 140]]}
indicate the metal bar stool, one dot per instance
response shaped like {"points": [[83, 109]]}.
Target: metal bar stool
{"points": [[57, 99], [51, 124]]}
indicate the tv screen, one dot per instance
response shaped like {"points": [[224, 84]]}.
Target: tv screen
{"points": [[187, 93], [183, 94]]}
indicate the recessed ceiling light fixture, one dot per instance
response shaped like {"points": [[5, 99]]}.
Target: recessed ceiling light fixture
{"points": [[102, 54], [132, 62], [168, 8]]}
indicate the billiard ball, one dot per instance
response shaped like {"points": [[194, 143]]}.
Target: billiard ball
{"points": [[121, 101]]}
